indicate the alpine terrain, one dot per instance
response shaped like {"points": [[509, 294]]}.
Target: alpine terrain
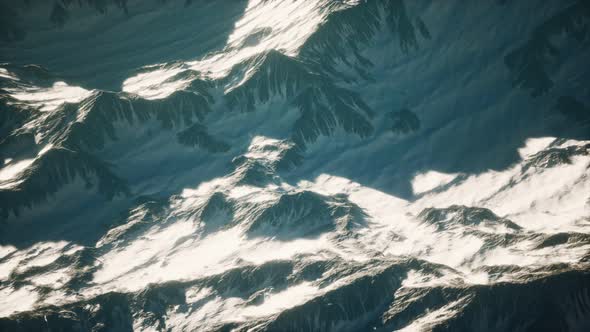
{"points": [[294, 165]]}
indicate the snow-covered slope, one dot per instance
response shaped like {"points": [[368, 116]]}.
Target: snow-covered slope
{"points": [[288, 165]]}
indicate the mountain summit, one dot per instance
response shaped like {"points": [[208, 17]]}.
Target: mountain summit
{"points": [[294, 165]]}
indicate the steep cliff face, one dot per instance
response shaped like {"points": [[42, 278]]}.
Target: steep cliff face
{"points": [[287, 165], [324, 107], [306, 213]]}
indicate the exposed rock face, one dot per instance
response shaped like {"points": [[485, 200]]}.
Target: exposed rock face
{"points": [[464, 216], [289, 165]]}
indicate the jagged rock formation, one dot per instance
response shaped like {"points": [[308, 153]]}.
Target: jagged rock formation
{"points": [[444, 218], [239, 173], [11, 116], [380, 299], [90, 123], [556, 156], [323, 106], [137, 220], [54, 169], [306, 213], [564, 239], [253, 173], [348, 30]]}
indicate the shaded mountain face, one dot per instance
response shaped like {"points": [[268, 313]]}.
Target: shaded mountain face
{"points": [[283, 165]]}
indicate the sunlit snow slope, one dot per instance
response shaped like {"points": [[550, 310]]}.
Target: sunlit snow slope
{"points": [[290, 165]]}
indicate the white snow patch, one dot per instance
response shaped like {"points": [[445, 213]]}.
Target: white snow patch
{"points": [[534, 145], [49, 99], [430, 180], [10, 172], [17, 300]]}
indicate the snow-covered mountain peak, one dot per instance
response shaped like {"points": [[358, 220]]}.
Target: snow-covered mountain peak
{"points": [[290, 165]]}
